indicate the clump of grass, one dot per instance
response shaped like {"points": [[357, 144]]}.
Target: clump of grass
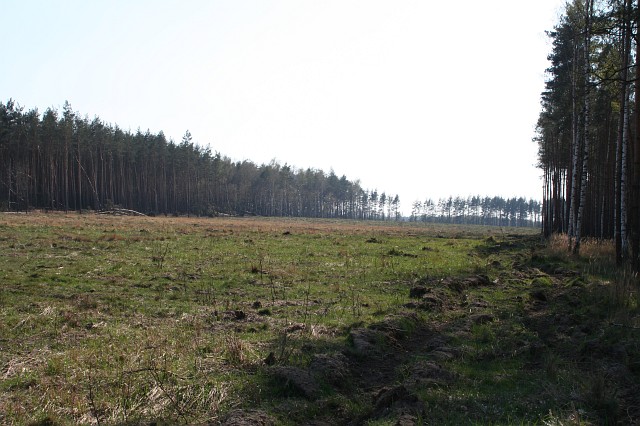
{"points": [[570, 416], [22, 381], [159, 255], [237, 352], [598, 256], [551, 364], [600, 252], [54, 367], [397, 252], [622, 297], [542, 282], [484, 334], [600, 394]]}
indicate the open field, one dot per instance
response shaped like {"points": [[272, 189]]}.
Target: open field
{"points": [[138, 320]]}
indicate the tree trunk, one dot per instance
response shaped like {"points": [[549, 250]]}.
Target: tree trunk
{"points": [[620, 214], [573, 198], [586, 136], [635, 208]]}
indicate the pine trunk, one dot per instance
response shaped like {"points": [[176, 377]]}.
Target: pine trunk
{"points": [[620, 213], [635, 208], [573, 198], [586, 136]]}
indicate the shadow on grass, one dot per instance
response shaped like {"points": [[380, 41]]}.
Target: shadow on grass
{"points": [[536, 343]]}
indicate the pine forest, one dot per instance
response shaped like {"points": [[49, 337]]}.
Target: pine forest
{"points": [[67, 162], [588, 132]]}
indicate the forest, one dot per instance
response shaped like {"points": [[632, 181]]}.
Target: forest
{"points": [[68, 162], [588, 132], [477, 210]]}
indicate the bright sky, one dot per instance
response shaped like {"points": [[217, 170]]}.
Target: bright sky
{"points": [[418, 98]]}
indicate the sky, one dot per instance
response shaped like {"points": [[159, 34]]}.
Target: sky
{"points": [[419, 98]]}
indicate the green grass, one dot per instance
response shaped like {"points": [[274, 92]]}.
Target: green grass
{"points": [[122, 320]]}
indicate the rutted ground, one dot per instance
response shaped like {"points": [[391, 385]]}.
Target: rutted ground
{"points": [[259, 321], [458, 354]]}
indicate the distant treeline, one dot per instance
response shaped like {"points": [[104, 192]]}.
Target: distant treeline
{"points": [[67, 162], [478, 210]]}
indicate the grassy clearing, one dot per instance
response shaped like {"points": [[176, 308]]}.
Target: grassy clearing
{"points": [[129, 320]]}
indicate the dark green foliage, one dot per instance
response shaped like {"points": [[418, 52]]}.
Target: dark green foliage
{"points": [[477, 210], [588, 130], [70, 163]]}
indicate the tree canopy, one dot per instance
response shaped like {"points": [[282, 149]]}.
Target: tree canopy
{"points": [[477, 210], [588, 131], [63, 161]]}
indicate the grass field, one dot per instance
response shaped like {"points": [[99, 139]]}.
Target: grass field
{"points": [[137, 320]]}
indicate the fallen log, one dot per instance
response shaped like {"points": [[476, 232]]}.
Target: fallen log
{"points": [[121, 212]]}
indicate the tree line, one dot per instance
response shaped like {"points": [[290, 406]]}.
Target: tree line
{"points": [[588, 131], [62, 161], [477, 210]]}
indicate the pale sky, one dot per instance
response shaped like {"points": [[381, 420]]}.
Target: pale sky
{"points": [[424, 99]]}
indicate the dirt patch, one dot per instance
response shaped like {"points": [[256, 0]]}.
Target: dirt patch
{"points": [[366, 341], [396, 399], [296, 381], [428, 298], [462, 284], [424, 374], [248, 418], [331, 368]]}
